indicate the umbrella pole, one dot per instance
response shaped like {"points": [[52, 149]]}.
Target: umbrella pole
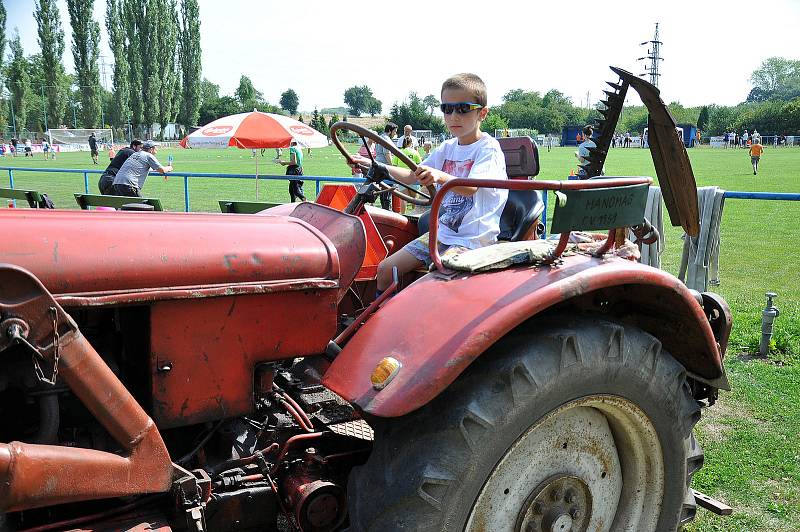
{"points": [[257, 155]]}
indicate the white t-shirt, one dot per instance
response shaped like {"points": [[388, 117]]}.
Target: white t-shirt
{"points": [[471, 221]]}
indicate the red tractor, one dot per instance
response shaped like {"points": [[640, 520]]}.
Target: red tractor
{"points": [[170, 371]]}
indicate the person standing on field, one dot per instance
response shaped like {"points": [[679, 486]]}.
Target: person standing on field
{"points": [[756, 149], [93, 147], [383, 155], [294, 167]]}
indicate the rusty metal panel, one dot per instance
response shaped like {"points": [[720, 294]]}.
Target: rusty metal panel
{"points": [[95, 251], [212, 345], [436, 342]]}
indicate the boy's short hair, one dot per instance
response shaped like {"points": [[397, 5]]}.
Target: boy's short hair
{"points": [[390, 126], [469, 83], [588, 131]]}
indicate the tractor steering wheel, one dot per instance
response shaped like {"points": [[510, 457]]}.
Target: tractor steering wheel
{"points": [[377, 177]]}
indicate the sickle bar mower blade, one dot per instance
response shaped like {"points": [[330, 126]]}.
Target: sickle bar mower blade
{"points": [[671, 161]]}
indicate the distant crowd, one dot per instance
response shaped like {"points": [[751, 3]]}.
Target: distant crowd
{"points": [[26, 147]]}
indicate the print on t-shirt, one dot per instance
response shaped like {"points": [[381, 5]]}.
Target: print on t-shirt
{"points": [[455, 206]]}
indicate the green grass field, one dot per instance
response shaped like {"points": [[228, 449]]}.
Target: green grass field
{"points": [[752, 436]]}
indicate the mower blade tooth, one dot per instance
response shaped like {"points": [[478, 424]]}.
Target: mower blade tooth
{"points": [[604, 112], [606, 103], [614, 86]]}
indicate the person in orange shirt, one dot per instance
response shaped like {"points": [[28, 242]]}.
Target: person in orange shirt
{"points": [[756, 149]]}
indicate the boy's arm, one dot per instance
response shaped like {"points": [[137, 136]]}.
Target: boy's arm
{"points": [[431, 176], [488, 165]]}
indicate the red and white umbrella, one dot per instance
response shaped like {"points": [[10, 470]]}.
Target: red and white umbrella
{"points": [[255, 130]]}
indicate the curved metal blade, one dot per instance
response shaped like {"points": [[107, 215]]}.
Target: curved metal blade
{"points": [[674, 172], [605, 128]]}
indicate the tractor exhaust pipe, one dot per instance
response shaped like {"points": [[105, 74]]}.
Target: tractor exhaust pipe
{"points": [[33, 475]]}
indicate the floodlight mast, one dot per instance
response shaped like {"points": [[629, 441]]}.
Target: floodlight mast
{"points": [[654, 55]]}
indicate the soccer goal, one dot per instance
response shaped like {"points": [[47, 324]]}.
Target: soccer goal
{"points": [[78, 139]]}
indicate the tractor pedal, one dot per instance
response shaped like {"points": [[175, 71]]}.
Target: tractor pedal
{"points": [[712, 505]]}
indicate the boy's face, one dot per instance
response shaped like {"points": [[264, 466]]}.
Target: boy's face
{"points": [[463, 126]]}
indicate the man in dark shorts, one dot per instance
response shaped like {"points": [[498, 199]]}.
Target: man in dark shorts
{"points": [[107, 179], [294, 166], [93, 147]]}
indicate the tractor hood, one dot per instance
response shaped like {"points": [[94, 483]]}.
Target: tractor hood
{"points": [[91, 252]]}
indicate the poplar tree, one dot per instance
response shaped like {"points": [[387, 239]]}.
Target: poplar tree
{"points": [[3, 117], [85, 51], [168, 94], [18, 81], [132, 19], [51, 41], [150, 41], [120, 109], [191, 68]]}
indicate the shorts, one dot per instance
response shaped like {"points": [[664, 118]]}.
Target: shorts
{"points": [[754, 160], [420, 250]]}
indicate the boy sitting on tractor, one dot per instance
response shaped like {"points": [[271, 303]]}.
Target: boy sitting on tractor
{"points": [[470, 217]]}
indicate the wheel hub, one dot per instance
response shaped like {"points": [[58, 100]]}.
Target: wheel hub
{"points": [[561, 503]]}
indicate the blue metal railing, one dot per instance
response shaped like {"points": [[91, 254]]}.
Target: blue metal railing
{"points": [[730, 194], [186, 175]]}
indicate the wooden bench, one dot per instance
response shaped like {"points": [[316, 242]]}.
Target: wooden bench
{"points": [[97, 200], [34, 198], [245, 207]]}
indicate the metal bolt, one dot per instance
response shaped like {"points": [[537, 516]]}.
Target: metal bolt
{"points": [[575, 513]]}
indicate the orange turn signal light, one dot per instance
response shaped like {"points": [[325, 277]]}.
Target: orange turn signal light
{"points": [[384, 372]]}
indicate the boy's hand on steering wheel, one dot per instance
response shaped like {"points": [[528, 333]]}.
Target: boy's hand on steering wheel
{"points": [[360, 159], [430, 176]]}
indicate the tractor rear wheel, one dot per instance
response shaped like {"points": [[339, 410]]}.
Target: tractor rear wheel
{"points": [[585, 424]]}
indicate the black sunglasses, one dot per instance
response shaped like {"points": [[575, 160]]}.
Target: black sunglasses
{"points": [[461, 108]]}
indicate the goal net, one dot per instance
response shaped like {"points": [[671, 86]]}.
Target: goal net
{"points": [[78, 139]]}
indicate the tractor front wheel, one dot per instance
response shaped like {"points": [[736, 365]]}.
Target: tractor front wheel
{"points": [[583, 425]]}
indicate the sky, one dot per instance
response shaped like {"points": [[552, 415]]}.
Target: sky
{"points": [[320, 48]]}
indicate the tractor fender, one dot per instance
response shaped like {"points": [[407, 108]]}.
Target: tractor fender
{"points": [[439, 324]]}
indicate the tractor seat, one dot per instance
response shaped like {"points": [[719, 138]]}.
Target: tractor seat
{"points": [[523, 207]]}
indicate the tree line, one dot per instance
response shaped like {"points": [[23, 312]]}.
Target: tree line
{"points": [[157, 80], [772, 107], [156, 76]]}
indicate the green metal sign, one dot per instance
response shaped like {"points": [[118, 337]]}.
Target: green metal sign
{"points": [[599, 208]]}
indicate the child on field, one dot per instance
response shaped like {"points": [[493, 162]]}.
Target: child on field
{"points": [[756, 150], [469, 217]]}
